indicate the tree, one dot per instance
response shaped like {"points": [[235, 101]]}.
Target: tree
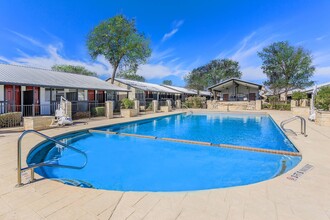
{"points": [[322, 100], [167, 82], [118, 40], [73, 69], [131, 76], [287, 67], [298, 95], [212, 73]]}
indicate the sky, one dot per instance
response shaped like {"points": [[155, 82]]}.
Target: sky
{"points": [[184, 34]]}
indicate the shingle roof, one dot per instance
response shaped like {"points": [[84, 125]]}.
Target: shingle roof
{"points": [[147, 86], [30, 76]]}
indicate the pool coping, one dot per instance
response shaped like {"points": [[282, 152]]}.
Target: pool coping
{"points": [[277, 198]]}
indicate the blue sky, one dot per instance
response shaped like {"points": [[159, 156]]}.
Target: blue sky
{"points": [[184, 34]]}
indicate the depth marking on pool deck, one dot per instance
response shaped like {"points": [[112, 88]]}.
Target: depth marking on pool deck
{"points": [[236, 147]]}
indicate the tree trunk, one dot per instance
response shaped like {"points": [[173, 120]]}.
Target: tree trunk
{"points": [[114, 74]]}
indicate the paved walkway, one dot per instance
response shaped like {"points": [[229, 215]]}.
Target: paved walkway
{"points": [[279, 198]]}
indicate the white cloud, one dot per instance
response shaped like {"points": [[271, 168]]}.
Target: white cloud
{"points": [[175, 29], [52, 55], [246, 54]]}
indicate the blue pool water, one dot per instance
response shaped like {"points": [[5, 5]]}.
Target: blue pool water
{"points": [[136, 164], [236, 129]]}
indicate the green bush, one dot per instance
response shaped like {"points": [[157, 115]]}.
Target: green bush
{"points": [[299, 95], [283, 107], [266, 106], [149, 107], [127, 104], [98, 111], [322, 100], [80, 115], [195, 102], [10, 119]]}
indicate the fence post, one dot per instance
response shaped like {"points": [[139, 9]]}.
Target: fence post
{"points": [[109, 109], [33, 110]]}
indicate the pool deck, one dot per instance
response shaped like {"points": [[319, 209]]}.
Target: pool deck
{"points": [[278, 198]]}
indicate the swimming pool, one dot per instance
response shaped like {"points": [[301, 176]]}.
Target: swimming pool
{"points": [[129, 163]]}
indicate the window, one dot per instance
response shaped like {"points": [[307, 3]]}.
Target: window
{"points": [[81, 95]]}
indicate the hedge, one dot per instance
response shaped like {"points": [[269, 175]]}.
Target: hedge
{"points": [[10, 119]]}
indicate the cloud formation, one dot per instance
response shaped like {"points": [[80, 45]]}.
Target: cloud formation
{"points": [[175, 29], [51, 55]]}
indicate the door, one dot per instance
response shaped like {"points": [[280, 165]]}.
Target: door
{"points": [[27, 103], [36, 98], [252, 96], [91, 95], [225, 97], [9, 97]]}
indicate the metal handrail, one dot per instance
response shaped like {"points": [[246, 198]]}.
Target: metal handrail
{"points": [[33, 166], [302, 125], [184, 106]]}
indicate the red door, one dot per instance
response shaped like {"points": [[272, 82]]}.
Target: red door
{"points": [[10, 94], [91, 95]]}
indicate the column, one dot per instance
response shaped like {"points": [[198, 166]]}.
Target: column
{"points": [[109, 109]]}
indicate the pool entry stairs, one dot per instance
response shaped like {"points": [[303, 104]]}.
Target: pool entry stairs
{"points": [[52, 163]]}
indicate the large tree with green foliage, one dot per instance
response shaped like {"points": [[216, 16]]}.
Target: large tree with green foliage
{"points": [[131, 76], [213, 73], [119, 41], [167, 82], [322, 100], [73, 69], [287, 67]]}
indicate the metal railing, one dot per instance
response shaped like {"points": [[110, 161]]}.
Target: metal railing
{"points": [[31, 167], [302, 125], [186, 107]]}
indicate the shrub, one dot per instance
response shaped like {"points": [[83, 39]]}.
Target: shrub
{"points": [[127, 104], [322, 100], [266, 106], [285, 107], [299, 95], [149, 108], [80, 115], [98, 111], [10, 119], [195, 102]]}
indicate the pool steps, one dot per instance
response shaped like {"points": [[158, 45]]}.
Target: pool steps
{"points": [[236, 147]]}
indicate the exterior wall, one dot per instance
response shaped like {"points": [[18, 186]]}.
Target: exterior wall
{"points": [[323, 118], [2, 93], [242, 92], [123, 95], [231, 106]]}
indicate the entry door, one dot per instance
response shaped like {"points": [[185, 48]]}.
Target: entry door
{"points": [[252, 96], [225, 97], [9, 97], [91, 95]]}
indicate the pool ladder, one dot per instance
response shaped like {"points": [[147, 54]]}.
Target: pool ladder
{"points": [[31, 167], [302, 125]]}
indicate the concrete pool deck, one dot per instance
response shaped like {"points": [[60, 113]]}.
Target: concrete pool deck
{"points": [[278, 198]]}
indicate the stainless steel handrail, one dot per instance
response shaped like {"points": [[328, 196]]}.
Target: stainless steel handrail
{"points": [[302, 125], [33, 166], [183, 105]]}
